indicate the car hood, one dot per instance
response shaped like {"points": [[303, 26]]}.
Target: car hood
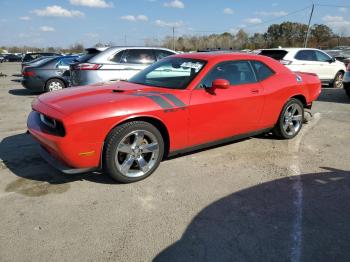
{"points": [[120, 98]]}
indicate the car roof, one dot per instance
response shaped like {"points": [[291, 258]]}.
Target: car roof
{"points": [[103, 56], [42, 53], [67, 56], [291, 48], [140, 47], [217, 55]]}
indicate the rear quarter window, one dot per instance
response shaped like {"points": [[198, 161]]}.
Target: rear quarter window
{"points": [[262, 71], [275, 54]]}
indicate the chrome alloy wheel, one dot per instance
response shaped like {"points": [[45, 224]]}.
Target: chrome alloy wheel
{"points": [[293, 119], [137, 153], [54, 86]]}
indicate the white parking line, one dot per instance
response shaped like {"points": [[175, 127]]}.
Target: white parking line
{"points": [[294, 167]]}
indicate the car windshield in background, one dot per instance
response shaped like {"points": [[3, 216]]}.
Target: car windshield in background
{"points": [[173, 73], [275, 54]]}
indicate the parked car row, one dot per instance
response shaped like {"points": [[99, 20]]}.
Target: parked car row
{"points": [[10, 58], [96, 65]]}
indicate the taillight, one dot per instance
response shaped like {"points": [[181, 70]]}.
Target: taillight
{"points": [[29, 73], [348, 67], [285, 62], [87, 66]]}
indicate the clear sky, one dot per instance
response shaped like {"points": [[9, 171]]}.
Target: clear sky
{"points": [[56, 23]]}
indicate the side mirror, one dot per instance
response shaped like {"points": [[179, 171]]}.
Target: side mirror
{"points": [[332, 60], [220, 84]]}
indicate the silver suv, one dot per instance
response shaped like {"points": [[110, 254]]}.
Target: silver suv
{"points": [[114, 63]]}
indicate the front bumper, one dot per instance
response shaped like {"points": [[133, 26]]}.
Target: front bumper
{"points": [[64, 152], [60, 165]]}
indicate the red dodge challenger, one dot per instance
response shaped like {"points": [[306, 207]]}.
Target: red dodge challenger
{"points": [[180, 103]]}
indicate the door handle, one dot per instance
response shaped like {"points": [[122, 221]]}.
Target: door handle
{"points": [[255, 91]]}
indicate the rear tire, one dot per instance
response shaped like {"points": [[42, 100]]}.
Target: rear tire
{"points": [[290, 120], [338, 80], [132, 151], [54, 85]]}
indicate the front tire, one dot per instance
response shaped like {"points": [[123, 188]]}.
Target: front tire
{"points": [[133, 151], [54, 85], [338, 80], [290, 120]]}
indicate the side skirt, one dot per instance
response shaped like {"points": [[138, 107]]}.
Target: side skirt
{"points": [[217, 142]]}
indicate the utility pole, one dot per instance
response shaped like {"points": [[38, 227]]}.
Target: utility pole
{"points": [[124, 40], [174, 38], [308, 26]]}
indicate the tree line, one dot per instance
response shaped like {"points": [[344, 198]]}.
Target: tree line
{"points": [[286, 34]]}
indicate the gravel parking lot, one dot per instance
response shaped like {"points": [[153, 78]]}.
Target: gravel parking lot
{"points": [[258, 199]]}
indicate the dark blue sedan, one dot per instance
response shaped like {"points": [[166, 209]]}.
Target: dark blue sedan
{"points": [[49, 74]]}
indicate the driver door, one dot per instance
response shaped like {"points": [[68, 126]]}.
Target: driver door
{"points": [[222, 113]]}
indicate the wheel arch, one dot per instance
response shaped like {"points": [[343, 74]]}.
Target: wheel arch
{"points": [[342, 71], [301, 98], [59, 78], [152, 120]]}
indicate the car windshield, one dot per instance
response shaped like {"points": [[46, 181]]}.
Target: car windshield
{"points": [[173, 73]]}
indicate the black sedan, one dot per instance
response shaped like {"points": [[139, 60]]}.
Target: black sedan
{"points": [[12, 58], [48, 74]]}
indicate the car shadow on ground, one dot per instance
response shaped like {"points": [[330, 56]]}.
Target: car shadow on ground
{"points": [[22, 92], [262, 223], [20, 154], [334, 95]]}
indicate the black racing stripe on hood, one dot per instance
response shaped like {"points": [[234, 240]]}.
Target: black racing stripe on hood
{"points": [[158, 100], [176, 101]]}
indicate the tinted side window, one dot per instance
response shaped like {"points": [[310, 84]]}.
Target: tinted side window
{"points": [[236, 72], [321, 57], [262, 70], [140, 56], [306, 55], [117, 58], [162, 53]]}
